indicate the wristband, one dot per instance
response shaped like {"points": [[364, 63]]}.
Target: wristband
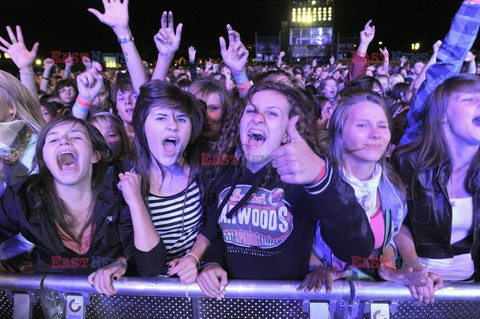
{"points": [[241, 78], [125, 39], [194, 257], [82, 102], [321, 175], [81, 108]]}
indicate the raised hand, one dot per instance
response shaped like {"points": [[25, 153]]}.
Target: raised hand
{"points": [[116, 14], [191, 54], [384, 52], [130, 186], [469, 57], [295, 161], [436, 46], [168, 39], [368, 33], [236, 55], [90, 83], [17, 50], [403, 60], [281, 55], [69, 61], [332, 60], [48, 64], [87, 62]]}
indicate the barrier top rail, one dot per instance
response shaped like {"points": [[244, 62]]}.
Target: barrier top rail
{"points": [[246, 289]]}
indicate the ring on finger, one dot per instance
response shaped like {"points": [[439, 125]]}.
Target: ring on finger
{"points": [[14, 41]]}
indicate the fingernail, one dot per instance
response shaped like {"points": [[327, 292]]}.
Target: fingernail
{"points": [[114, 277]]}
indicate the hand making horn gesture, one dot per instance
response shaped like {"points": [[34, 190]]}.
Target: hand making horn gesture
{"points": [[295, 161]]}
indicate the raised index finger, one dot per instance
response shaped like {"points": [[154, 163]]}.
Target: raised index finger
{"points": [[368, 24]]}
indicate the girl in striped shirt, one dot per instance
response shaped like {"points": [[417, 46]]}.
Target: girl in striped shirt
{"points": [[167, 125]]}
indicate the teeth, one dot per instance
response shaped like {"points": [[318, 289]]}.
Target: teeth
{"points": [[171, 139], [62, 153]]}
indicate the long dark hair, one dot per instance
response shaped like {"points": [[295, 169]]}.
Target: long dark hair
{"points": [[157, 93], [431, 146], [41, 190]]}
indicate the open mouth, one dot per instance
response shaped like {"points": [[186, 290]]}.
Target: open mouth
{"points": [[256, 138], [129, 110], [169, 145], [476, 121], [67, 161]]}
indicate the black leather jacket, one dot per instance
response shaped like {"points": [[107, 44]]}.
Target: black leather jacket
{"points": [[430, 212]]}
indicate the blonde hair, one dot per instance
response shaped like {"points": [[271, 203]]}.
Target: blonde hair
{"points": [[25, 107]]}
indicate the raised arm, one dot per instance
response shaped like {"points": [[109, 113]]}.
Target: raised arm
{"points": [[235, 57], [68, 67], [470, 59], [452, 53], [22, 58], [358, 67], [280, 59], [116, 17], [386, 61], [47, 68], [167, 41], [90, 84], [192, 65], [433, 59]]}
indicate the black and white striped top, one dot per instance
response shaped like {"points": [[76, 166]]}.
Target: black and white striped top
{"points": [[166, 213]]}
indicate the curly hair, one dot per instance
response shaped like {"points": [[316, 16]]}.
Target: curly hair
{"points": [[300, 104]]}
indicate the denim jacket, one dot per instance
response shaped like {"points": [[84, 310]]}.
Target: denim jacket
{"points": [[392, 200]]}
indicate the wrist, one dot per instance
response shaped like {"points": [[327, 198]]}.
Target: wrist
{"points": [[193, 257], [123, 31], [26, 69], [320, 175]]}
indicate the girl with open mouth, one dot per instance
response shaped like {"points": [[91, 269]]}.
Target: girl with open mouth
{"points": [[274, 134], [66, 211], [168, 123]]}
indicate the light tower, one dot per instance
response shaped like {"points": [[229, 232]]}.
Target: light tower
{"points": [[311, 28]]}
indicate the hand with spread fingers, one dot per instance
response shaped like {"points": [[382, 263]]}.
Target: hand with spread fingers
{"points": [[115, 16], [18, 52]]}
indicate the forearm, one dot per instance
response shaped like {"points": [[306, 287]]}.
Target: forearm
{"points": [[161, 69], [451, 54], [406, 247], [44, 82], [421, 77], [27, 77], [279, 63], [144, 233], [472, 67], [200, 247], [132, 58], [67, 72], [333, 202]]}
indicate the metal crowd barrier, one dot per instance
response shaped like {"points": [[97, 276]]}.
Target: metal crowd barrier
{"points": [[57, 296]]}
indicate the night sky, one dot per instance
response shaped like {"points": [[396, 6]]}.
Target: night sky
{"points": [[66, 25]]}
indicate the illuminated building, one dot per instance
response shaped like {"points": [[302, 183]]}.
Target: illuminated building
{"points": [[311, 28]]}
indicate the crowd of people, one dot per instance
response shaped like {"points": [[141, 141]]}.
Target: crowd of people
{"points": [[314, 172]]}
